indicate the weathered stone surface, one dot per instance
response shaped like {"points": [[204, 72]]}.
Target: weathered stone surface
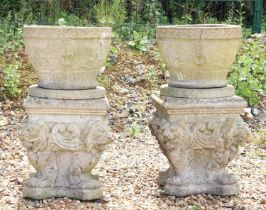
{"points": [[66, 128], [98, 92], [67, 57], [64, 141], [198, 56], [167, 90], [199, 137], [35, 105]]}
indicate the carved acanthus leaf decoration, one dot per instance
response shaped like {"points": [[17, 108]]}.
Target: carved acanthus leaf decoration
{"points": [[34, 136], [182, 139], [96, 135]]}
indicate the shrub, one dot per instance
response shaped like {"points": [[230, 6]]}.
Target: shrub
{"points": [[126, 32], [248, 73], [11, 77], [110, 13], [139, 42], [70, 20], [10, 35]]}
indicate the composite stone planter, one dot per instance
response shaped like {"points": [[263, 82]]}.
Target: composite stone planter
{"points": [[67, 57], [66, 129], [198, 56], [197, 121]]}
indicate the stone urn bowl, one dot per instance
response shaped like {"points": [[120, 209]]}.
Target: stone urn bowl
{"points": [[198, 56], [67, 57]]}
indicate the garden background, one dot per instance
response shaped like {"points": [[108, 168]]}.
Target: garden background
{"points": [[132, 72]]}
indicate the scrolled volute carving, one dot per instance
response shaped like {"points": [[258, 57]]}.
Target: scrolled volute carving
{"points": [[178, 140], [51, 136], [67, 136]]}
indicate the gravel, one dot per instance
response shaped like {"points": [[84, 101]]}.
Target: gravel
{"points": [[129, 167]]}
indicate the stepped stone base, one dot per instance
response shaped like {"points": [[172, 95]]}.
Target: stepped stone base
{"points": [[80, 194], [217, 182]]}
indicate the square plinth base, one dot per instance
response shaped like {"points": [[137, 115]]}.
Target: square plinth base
{"points": [[64, 141], [182, 191], [43, 193], [199, 137], [206, 181]]}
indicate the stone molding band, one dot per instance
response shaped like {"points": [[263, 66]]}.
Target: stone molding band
{"points": [[218, 31], [66, 112], [176, 92], [49, 32], [97, 93]]}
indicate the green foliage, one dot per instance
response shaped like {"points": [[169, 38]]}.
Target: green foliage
{"points": [[61, 22], [211, 12], [10, 42], [248, 74], [263, 23], [103, 80], [124, 16], [11, 77], [10, 37], [136, 21], [70, 20], [152, 75], [151, 11], [139, 42], [110, 13], [195, 207], [134, 130], [115, 12], [113, 52], [236, 15], [196, 12], [126, 32]]}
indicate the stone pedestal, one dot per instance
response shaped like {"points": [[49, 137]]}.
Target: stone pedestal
{"points": [[64, 141], [197, 122], [66, 129], [199, 137]]}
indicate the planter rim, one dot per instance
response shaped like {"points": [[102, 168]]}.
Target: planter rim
{"points": [[43, 31], [200, 31], [66, 27], [200, 26]]}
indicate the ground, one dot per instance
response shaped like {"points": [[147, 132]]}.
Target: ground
{"points": [[129, 167]]}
